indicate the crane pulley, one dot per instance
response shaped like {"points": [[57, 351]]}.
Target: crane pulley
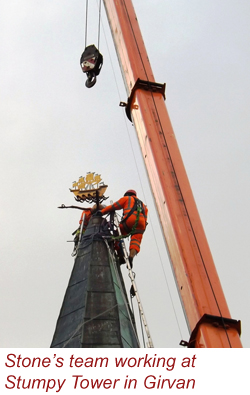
{"points": [[91, 63]]}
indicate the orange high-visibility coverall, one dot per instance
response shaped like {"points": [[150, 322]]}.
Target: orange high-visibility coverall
{"points": [[126, 203], [87, 217]]}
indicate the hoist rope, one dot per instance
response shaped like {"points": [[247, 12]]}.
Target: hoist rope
{"points": [[177, 181], [86, 22], [99, 23]]}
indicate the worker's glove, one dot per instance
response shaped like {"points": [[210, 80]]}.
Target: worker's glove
{"points": [[98, 213]]}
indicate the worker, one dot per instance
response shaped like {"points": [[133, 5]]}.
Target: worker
{"points": [[134, 220], [85, 216]]}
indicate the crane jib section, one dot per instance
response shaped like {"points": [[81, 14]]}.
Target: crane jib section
{"points": [[196, 276]]}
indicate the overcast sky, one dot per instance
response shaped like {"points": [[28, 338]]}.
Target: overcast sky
{"points": [[54, 129]]}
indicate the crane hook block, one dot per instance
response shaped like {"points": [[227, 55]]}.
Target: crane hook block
{"points": [[91, 63]]}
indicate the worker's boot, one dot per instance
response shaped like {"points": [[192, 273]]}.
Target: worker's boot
{"points": [[120, 253], [121, 259], [130, 261]]}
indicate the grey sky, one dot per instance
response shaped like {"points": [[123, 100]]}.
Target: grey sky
{"points": [[54, 130]]}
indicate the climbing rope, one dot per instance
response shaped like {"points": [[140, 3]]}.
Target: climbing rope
{"points": [[112, 261], [86, 322], [101, 234], [132, 278]]}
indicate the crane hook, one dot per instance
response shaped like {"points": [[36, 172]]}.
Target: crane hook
{"points": [[91, 80]]}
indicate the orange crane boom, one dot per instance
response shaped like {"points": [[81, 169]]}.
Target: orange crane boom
{"points": [[204, 303]]}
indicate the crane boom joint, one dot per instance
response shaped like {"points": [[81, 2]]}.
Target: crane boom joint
{"points": [[213, 320], [145, 85]]}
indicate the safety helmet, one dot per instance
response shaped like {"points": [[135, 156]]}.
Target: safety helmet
{"points": [[130, 192]]}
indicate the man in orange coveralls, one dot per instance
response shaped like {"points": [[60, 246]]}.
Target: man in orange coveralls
{"points": [[133, 210], [86, 214]]}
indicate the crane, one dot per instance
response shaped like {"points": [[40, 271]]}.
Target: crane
{"points": [[209, 320]]}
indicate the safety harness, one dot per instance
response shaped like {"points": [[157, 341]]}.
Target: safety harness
{"points": [[139, 208]]}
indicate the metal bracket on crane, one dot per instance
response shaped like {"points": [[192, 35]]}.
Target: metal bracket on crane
{"points": [[216, 321], [145, 85]]}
